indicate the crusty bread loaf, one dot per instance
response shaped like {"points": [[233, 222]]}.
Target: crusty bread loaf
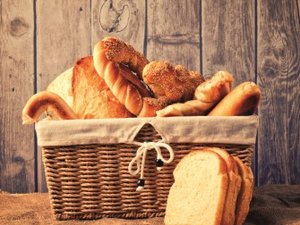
{"points": [[246, 192], [92, 97], [228, 216], [49, 102], [198, 194], [242, 100], [62, 86]]}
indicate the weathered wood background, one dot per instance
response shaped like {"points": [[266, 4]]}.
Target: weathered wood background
{"points": [[256, 40]]}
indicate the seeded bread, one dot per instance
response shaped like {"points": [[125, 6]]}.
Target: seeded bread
{"points": [[198, 194]]}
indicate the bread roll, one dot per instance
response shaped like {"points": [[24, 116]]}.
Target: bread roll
{"points": [[215, 88], [246, 192], [45, 101], [92, 97], [206, 96], [174, 83], [242, 100], [234, 185], [198, 194]]}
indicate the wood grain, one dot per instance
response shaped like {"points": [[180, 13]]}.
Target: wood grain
{"points": [[228, 30], [278, 76], [16, 86], [64, 36], [173, 32], [124, 19]]}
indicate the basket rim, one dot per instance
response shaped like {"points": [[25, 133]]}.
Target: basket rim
{"points": [[197, 129]]}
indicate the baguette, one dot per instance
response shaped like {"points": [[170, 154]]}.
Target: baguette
{"points": [[189, 108], [242, 100], [198, 194], [49, 102]]}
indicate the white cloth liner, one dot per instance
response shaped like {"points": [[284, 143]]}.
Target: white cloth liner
{"points": [[199, 129]]}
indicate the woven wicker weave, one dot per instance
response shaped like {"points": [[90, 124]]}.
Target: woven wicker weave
{"points": [[92, 181]]}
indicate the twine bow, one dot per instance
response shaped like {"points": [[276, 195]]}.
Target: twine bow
{"points": [[141, 155]]}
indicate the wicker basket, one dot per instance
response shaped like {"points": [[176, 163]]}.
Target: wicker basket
{"points": [[90, 181]]}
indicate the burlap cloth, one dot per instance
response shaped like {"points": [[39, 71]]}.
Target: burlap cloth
{"points": [[271, 205]]}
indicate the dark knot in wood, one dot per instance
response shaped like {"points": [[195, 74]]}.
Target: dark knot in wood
{"points": [[18, 27]]}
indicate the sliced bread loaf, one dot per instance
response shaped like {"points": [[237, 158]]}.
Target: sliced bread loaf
{"points": [[198, 194], [234, 185], [246, 192]]}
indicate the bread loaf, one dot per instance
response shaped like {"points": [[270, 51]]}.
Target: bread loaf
{"points": [[198, 194], [242, 100]]}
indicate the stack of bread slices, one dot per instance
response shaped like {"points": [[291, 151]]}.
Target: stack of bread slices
{"points": [[211, 188]]}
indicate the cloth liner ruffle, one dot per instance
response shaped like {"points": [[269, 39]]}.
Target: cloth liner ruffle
{"points": [[199, 129]]}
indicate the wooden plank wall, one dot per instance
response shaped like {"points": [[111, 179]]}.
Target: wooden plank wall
{"points": [[256, 40]]}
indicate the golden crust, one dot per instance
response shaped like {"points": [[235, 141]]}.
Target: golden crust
{"points": [[188, 108], [92, 96], [246, 192], [46, 101], [215, 88], [242, 100], [108, 55], [118, 51], [233, 186]]}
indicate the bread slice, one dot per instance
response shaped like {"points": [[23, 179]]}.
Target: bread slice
{"points": [[198, 194], [246, 192], [228, 217]]}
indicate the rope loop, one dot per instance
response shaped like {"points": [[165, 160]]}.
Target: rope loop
{"points": [[140, 158]]}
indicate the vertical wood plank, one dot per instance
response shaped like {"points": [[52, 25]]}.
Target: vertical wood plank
{"points": [[124, 19], [16, 86], [228, 29], [64, 36], [279, 78], [173, 32], [228, 40]]}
